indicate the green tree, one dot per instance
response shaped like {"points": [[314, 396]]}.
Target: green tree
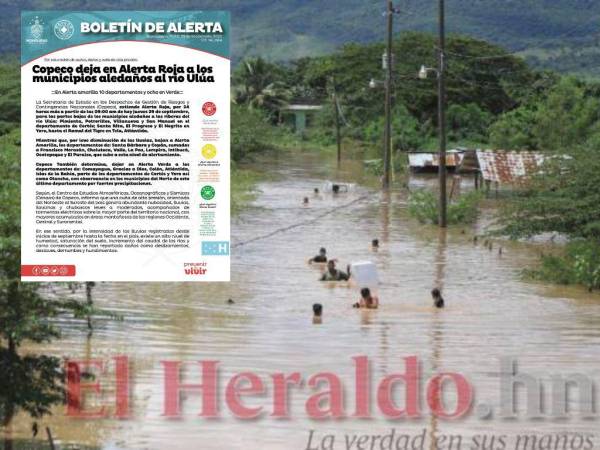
{"points": [[479, 75], [10, 96], [259, 84], [567, 117], [250, 133], [423, 205], [406, 131], [558, 116], [468, 122], [515, 130]]}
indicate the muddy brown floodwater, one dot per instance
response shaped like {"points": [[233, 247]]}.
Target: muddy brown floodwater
{"points": [[491, 313]]}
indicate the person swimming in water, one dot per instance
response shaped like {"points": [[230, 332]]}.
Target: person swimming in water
{"points": [[367, 300], [305, 201], [438, 300], [375, 244], [317, 313], [334, 274], [320, 258]]}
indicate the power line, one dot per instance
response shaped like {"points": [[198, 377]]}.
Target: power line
{"points": [[480, 58]]}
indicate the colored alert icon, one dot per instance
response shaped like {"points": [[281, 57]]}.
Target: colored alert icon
{"points": [[209, 151], [207, 192]]}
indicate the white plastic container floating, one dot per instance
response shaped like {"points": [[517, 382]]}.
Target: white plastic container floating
{"points": [[343, 187], [364, 274]]}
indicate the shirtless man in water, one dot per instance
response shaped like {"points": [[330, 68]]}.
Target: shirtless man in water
{"points": [[367, 300], [333, 274]]}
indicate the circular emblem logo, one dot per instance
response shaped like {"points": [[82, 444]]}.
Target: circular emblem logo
{"points": [[207, 192], [64, 29], [209, 109], [209, 151]]}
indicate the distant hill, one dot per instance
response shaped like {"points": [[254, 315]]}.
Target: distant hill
{"points": [[561, 34]]}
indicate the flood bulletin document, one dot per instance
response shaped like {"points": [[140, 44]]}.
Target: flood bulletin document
{"points": [[125, 146]]}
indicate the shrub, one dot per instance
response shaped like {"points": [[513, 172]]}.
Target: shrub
{"points": [[423, 205], [243, 188], [250, 132], [579, 264]]}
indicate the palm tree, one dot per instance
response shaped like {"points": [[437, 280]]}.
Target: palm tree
{"points": [[258, 84]]}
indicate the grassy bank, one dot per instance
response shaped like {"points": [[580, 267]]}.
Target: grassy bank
{"points": [[243, 187], [577, 264]]}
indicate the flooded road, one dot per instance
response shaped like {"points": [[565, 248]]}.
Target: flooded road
{"points": [[491, 313]]}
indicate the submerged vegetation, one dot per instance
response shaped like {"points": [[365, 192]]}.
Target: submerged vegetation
{"points": [[578, 263], [563, 199], [243, 188], [423, 206]]}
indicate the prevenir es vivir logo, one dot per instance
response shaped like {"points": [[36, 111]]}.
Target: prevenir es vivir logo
{"points": [[195, 268]]}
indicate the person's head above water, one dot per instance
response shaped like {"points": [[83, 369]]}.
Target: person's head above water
{"points": [[321, 257], [318, 309], [365, 293], [438, 300], [305, 201], [375, 243], [316, 190], [335, 188], [331, 265]]}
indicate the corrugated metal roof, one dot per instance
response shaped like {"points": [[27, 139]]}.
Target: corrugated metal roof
{"points": [[508, 167]]}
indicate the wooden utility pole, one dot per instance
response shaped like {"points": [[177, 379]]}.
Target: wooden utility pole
{"points": [[442, 115], [50, 439], [387, 160], [338, 132], [89, 285]]}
